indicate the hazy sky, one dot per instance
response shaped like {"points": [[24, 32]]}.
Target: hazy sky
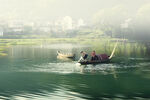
{"points": [[53, 9]]}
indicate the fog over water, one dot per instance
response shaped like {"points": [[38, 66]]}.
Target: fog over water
{"points": [[53, 9]]}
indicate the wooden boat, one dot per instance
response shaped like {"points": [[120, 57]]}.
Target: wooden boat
{"points": [[63, 55], [94, 62], [103, 58]]}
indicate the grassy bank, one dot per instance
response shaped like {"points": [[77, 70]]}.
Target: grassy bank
{"points": [[101, 45], [96, 42], [8, 42]]}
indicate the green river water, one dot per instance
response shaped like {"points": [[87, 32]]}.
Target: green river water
{"points": [[33, 72]]}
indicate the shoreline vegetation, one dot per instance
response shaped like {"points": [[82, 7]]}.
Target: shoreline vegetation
{"points": [[6, 43], [96, 43]]}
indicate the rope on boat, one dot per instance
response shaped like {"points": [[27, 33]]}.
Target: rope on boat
{"points": [[112, 54]]}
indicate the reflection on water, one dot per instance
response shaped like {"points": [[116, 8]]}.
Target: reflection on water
{"points": [[35, 72]]}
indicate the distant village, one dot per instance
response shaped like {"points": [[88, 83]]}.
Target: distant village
{"points": [[56, 27]]}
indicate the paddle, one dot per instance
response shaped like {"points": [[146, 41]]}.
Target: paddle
{"points": [[113, 50]]}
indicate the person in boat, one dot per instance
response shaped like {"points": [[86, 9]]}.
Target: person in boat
{"points": [[84, 56], [94, 56]]}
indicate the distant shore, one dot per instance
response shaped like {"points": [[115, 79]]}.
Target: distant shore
{"points": [[94, 42]]}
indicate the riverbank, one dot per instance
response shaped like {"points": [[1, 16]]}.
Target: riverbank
{"points": [[99, 44], [6, 43]]}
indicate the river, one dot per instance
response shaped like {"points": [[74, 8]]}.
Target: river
{"points": [[33, 72]]}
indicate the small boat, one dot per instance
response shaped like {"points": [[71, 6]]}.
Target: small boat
{"points": [[103, 58], [63, 55]]}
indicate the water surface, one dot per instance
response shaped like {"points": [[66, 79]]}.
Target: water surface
{"points": [[34, 72]]}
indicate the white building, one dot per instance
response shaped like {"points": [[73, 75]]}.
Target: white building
{"points": [[67, 23], [1, 32], [15, 26], [80, 23]]}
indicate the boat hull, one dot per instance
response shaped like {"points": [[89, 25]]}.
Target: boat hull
{"points": [[94, 62]]}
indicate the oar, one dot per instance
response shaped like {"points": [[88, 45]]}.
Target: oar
{"points": [[113, 50]]}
